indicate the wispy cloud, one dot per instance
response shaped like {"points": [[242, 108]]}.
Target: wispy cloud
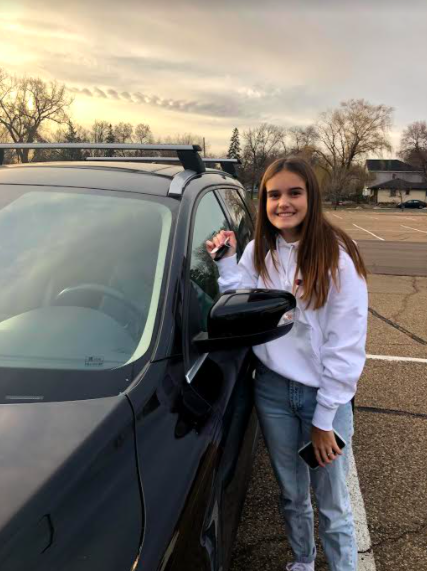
{"points": [[83, 91], [113, 93], [255, 102], [225, 108]]}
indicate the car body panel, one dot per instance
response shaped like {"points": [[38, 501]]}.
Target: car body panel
{"points": [[59, 459], [189, 466]]}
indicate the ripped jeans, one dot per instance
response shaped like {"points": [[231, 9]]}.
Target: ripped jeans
{"points": [[285, 410]]}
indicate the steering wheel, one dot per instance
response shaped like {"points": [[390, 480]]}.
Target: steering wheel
{"points": [[101, 289]]}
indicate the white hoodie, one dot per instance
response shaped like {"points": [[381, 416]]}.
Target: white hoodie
{"points": [[326, 347]]}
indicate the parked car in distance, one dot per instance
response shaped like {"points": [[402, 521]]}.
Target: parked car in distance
{"points": [[412, 204], [126, 413]]}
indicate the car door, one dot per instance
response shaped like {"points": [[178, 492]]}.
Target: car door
{"points": [[188, 432], [222, 378]]}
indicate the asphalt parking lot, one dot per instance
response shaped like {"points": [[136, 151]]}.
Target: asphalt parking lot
{"points": [[389, 481]]}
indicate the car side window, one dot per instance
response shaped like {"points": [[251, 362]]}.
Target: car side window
{"points": [[242, 222], [204, 290]]}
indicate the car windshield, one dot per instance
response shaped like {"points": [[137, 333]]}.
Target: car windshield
{"points": [[80, 276]]}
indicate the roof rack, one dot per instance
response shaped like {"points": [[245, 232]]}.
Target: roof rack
{"points": [[227, 165], [188, 155]]}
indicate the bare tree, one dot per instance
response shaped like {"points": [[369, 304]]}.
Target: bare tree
{"points": [[401, 187], [413, 145], [143, 136], [262, 145], [347, 135], [70, 133], [123, 134], [27, 105], [99, 133], [303, 141]]}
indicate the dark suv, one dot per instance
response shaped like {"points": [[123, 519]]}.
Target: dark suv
{"points": [[125, 378]]}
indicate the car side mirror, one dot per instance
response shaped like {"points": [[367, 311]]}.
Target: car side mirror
{"points": [[242, 318]]}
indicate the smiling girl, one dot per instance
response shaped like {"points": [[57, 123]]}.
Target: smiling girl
{"points": [[305, 380]]}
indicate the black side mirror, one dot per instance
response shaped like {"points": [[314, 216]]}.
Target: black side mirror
{"points": [[243, 318]]}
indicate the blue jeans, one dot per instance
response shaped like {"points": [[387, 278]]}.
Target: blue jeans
{"points": [[285, 411]]}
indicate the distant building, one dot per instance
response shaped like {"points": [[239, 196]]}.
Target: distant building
{"points": [[394, 181]]}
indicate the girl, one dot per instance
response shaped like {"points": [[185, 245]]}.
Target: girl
{"points": [[305, 380]]}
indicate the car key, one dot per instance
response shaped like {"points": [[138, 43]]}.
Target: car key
{"points": [[221, 250]]}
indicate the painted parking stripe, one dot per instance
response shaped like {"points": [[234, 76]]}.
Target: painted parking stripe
{"points": [[393, 358], [416, 230], [364, 229], [366, 561], [336, 216]]}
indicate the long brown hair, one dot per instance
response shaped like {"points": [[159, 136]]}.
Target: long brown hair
{"points": [[318, 251]]}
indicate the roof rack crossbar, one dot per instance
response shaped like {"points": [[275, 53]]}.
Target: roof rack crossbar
{"points": [[187, 154], [227, 165]]}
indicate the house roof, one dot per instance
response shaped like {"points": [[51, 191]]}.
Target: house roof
{"points": [[392, 165], [399, 184]]}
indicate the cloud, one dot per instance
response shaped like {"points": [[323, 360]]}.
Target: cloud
{"points": [[99, 93], [223, 106], [232, 63], [113, 93], [255, 102], [82, 91]]}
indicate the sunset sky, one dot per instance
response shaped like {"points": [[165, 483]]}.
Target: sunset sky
{"points": [[207, 67]]}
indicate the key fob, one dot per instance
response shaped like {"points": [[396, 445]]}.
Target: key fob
{"points": [[221, 252]]}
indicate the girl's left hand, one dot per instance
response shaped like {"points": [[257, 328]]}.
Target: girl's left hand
{"points": [[325, 446]]}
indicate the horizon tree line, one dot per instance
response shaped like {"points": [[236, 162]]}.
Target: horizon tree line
{"points": [[336, 145]]}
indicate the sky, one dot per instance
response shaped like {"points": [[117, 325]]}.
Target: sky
{"points": [[206, 67]]}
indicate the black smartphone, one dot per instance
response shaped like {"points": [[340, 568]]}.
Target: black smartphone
{"points": [[308, 455]]}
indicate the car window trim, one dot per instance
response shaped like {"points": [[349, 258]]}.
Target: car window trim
{"points": [[188, 365], [236, 189], [228, 215]]}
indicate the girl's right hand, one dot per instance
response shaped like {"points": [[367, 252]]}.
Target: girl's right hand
{"points": [[218, 240]]}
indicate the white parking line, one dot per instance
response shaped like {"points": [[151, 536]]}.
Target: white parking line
{"points": [[392, 358], [408, 218], [416, 230], [369, 232], [336, 216], [366, 561]]}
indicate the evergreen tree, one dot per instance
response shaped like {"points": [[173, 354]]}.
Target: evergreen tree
{"points": [[234, 151], [110, 139], [71, 136]]}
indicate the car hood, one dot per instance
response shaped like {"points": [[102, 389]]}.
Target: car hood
{"points": [[40, 443]]}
